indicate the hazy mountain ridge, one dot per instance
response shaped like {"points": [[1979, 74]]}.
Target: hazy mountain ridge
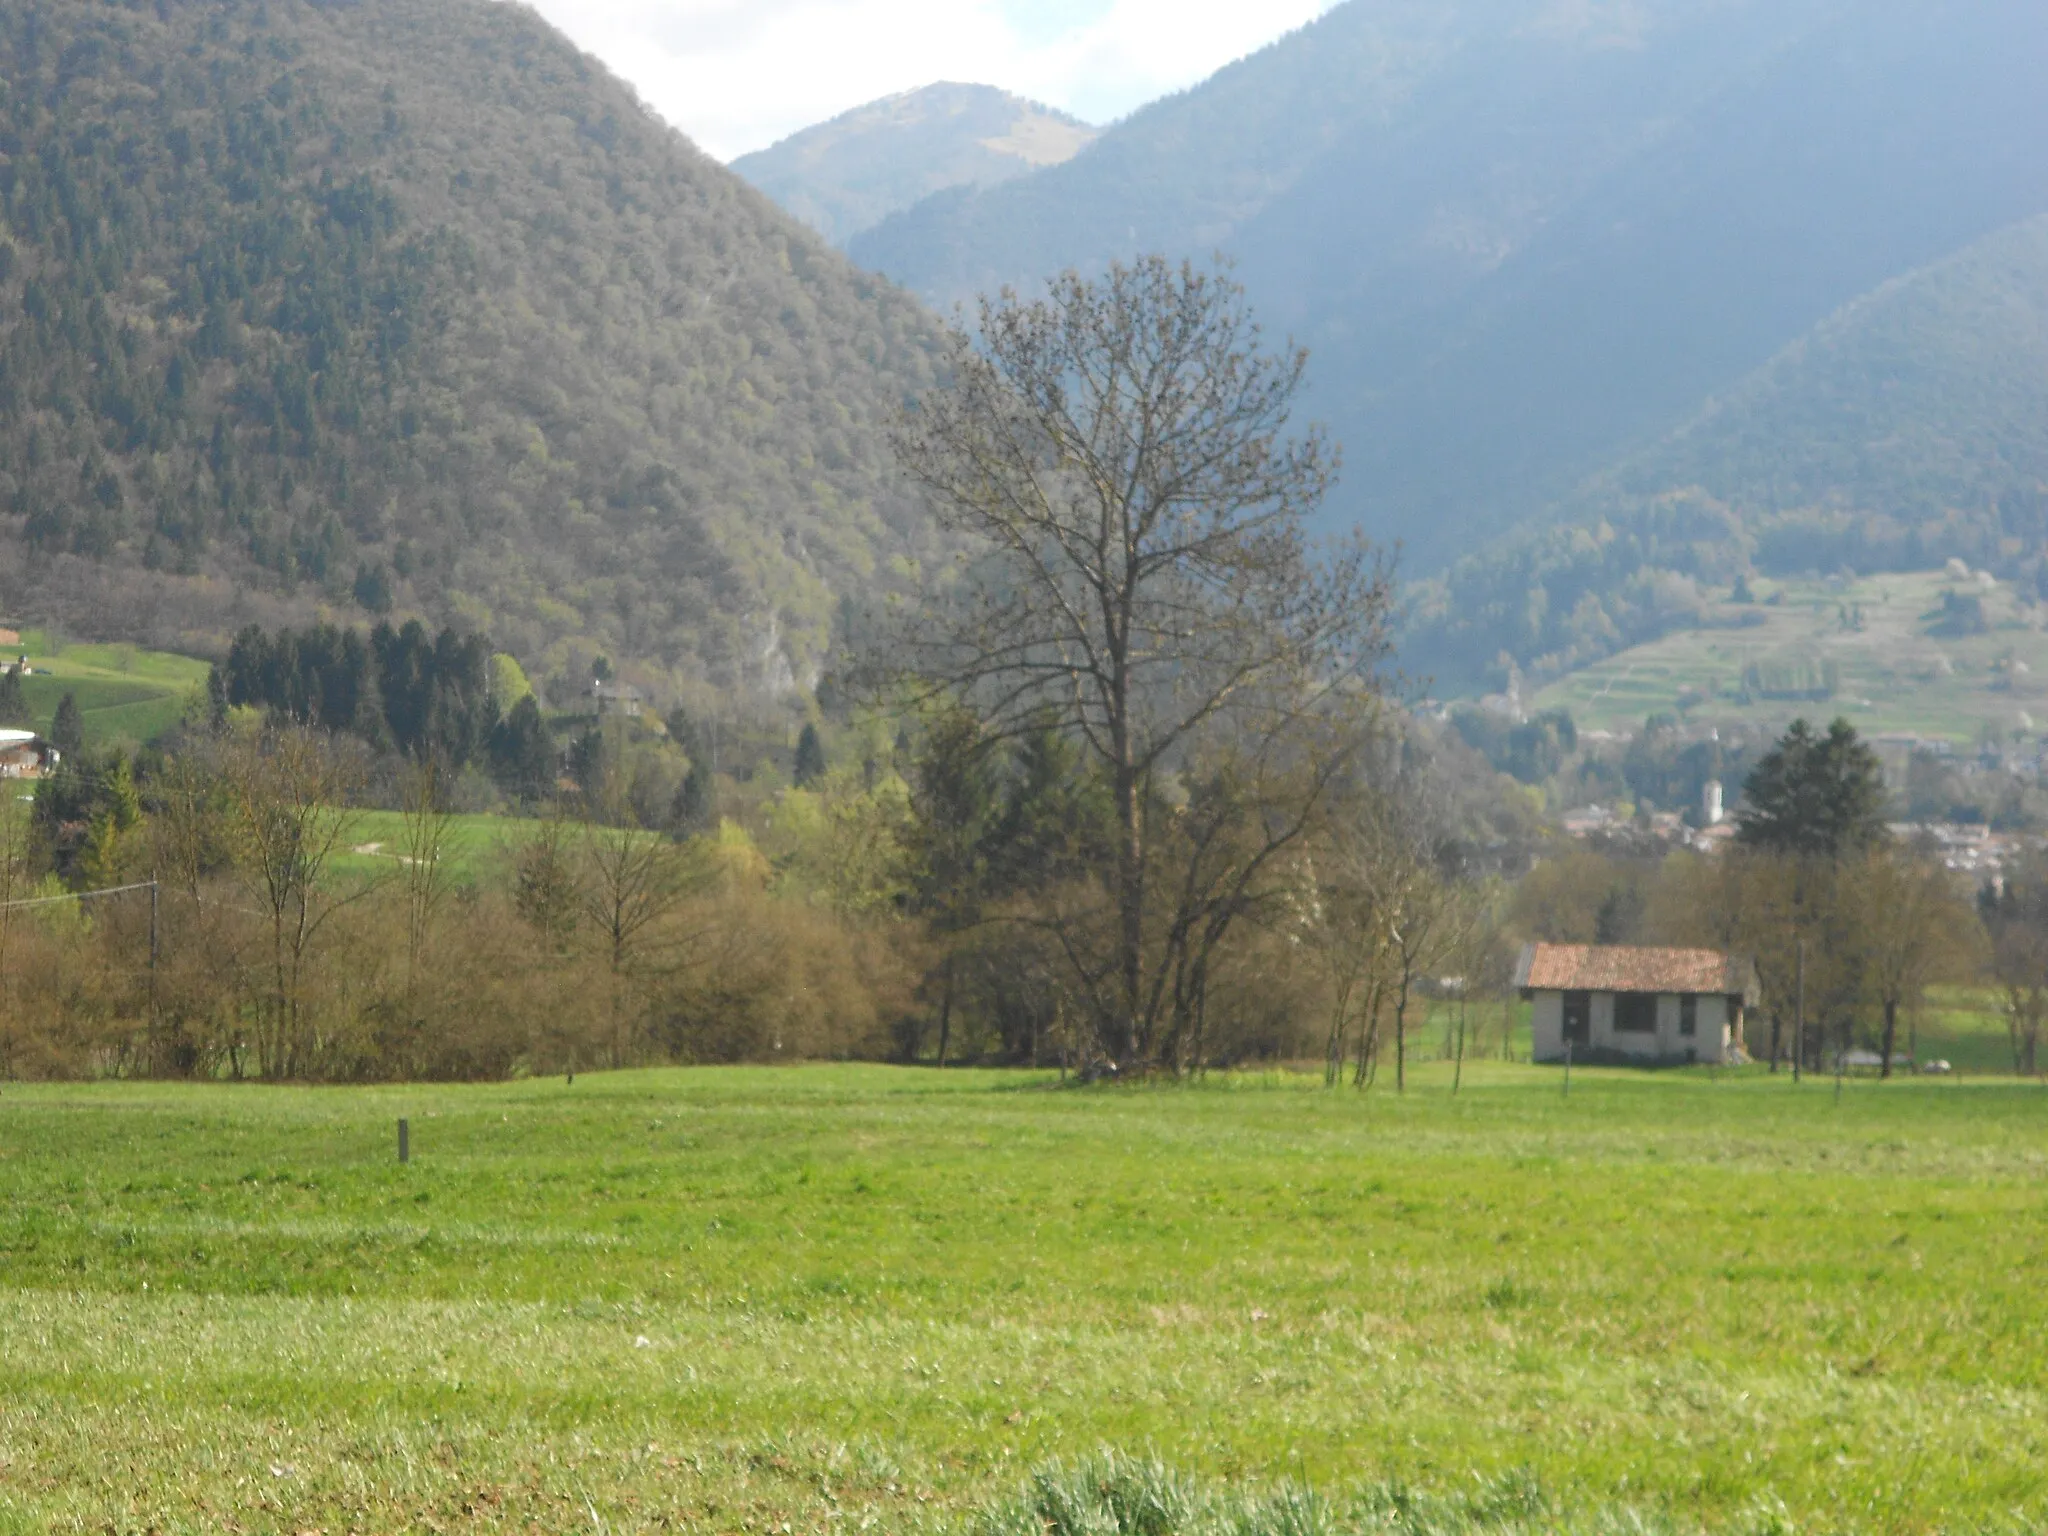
{"points": [[1908, 428], [844, 176], [408, 297], [1524, 240]]}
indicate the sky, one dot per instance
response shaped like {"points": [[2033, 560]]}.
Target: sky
{"points": [[736, 75]]}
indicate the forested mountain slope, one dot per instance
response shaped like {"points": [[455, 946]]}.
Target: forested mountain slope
{"points": [[1907, 429], [406, 301], [1524, 238], [847, 175]]}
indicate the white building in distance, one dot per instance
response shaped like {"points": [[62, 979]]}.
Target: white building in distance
{"points": [[1625, 1004]]}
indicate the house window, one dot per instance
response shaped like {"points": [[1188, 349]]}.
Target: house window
{"points": [[1688, 1015], [1578, 1017], [1635, 1013]]}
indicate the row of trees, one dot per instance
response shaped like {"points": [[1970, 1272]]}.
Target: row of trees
{"points": [[1138, 805], [248, 931]]}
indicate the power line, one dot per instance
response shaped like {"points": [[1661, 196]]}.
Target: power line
{"points": [[46, 901]]}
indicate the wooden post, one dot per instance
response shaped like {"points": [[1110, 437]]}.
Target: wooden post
{"points": [[1799, 1017], [154, 1024], [404, 1141]]}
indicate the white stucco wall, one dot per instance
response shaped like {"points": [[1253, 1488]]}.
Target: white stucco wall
{"points": [[1710, 1043], [1546, 1026]]}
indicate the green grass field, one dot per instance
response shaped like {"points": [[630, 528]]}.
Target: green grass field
{"points": [[475, 849], [863, 1298], [1896, 673], [126, 695]]}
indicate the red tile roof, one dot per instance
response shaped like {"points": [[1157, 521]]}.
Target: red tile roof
{"points": [[1629, 968]]}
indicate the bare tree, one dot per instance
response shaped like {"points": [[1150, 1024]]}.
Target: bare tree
{"points": [[2016, 913], [426, 821], [632, 882], [15, 881], [1915, 926], [288, 794], [1119, 460]]}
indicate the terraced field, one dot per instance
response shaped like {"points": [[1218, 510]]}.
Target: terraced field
{"points": [[1901, 665]]}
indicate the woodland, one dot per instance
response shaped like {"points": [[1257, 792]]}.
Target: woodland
{"points": [[408, 307]]}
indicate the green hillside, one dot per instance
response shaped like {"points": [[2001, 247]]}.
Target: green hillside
{"points": [[1887, 649], [847, 175], [1908, 429], [126, 695], [1523, 240], [407, 303]]}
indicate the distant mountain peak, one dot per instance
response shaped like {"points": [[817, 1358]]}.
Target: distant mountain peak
{"points": [[846, 175]]}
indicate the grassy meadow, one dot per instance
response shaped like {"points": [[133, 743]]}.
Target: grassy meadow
{"points": [[1898, 672], [865, 1298], [126, 695], [476, 847]]}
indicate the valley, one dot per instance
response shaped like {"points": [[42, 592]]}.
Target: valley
{"points": [[1895, 663]]}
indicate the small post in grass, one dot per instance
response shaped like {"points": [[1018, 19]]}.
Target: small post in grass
{"points": [[404, 1141], [1567, 1066]]}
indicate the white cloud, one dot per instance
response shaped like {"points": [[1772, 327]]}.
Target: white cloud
{"points": [[738, 74]]}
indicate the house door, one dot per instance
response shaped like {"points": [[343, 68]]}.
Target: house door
{"points": [[1578, 1018]]}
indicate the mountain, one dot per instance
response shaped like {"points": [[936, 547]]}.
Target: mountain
{"points": [[847, 175], [1526, 238], [408, 303], [1908, 429]]}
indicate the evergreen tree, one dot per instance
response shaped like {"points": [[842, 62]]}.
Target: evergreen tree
{"points": [[67, 730], [1814, 795], [590, 763], [522, 753], [14, 707], [694, 808], [810, 757], [682, 730], [216, 700]]}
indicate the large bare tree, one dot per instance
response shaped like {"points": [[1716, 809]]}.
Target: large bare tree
{"points": [[1120, 462]]}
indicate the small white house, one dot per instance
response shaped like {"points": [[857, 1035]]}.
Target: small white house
{"points": [[1626, 1004]]}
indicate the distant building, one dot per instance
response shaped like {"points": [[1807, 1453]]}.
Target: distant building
{"points": [[25, 755], [618, 699], [1711, 809], [1627, 1004]]}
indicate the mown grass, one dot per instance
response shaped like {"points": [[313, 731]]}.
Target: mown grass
{"points": [[867, 1298], [476, 848], [126, 695]]}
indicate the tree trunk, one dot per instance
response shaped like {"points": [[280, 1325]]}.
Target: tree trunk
{"points": [[946, 1014], [1130, 900], [1401, 1035], [1891, 1036]]}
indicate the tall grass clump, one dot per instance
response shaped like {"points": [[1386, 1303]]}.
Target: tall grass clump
{"points": [[1115, 1494]]}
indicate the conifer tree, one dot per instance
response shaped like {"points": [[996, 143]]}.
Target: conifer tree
{"points": [[693, 809], [67, 729], [810, 757], [1814, 795], [14, 708]]}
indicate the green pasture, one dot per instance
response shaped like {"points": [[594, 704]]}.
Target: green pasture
{"points": [[126, 695], [475, 846], [1898, 672], [865, 1298]]}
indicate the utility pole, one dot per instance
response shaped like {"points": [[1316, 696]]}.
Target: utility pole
{"points": [[154, 1022], [1799, 1018]]}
